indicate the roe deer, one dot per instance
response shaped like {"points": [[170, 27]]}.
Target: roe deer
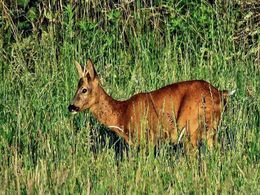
{"points": [[190, 109]]}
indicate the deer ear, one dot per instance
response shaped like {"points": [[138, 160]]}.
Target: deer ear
{"points": [[79, 69], [91, 69]]}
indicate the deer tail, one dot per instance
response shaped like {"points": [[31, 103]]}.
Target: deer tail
{"points": [[226, 94]]}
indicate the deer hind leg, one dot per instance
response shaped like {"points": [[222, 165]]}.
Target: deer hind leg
{"points": [[209, 129], [200, 130], [192, 136]]}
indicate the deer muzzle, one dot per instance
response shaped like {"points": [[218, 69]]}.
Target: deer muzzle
{"points": [[73, 108]]}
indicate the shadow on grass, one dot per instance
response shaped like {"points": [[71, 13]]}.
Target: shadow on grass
{"points": [[101, 138]]}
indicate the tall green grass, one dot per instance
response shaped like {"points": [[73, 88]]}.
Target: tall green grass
{"points": [[136, 47]]}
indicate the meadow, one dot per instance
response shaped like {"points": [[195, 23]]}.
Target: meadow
{"points": [[137, 46]]}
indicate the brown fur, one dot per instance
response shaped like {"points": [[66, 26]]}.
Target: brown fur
{"points": [[192, 108]]}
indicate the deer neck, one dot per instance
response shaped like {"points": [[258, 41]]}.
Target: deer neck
{"points": [[108, 110]]}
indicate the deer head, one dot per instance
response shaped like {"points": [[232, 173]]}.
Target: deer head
{"points": [[87, 91]]}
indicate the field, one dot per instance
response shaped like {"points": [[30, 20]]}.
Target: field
{"points": [[136, 46]]}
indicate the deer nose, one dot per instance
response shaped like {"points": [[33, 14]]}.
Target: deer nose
{"points": [[73, 108]]}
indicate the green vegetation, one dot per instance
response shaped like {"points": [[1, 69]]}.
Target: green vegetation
{"points": [[136, 46]]}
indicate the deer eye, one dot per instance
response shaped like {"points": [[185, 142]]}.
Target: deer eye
{"points": [[84, 90]]}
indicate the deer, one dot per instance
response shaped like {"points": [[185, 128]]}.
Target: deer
{"points": [[185, 112]]}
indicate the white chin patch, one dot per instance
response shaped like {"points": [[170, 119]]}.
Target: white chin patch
{"points": [[74, 112]]}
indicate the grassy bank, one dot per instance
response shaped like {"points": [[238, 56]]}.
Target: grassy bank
{"points": [[136, 47]]}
